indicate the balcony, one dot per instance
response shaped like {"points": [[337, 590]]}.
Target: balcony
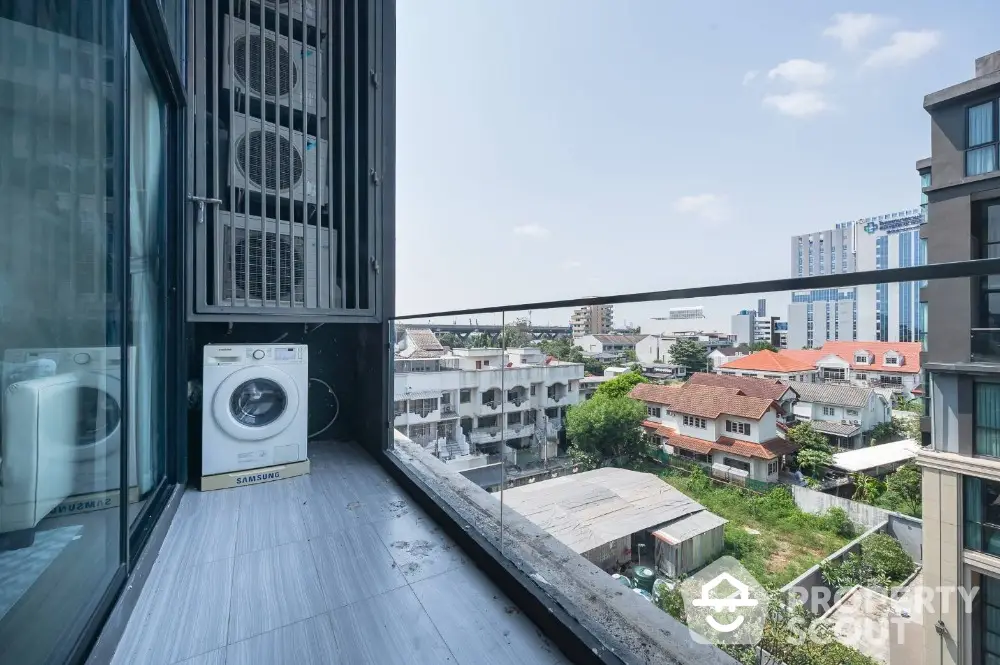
{"points": [[338, 566]]}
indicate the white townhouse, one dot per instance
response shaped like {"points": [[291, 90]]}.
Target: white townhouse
{"points": [[845, 414]]}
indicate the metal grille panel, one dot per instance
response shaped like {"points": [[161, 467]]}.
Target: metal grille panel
{"points": [[283, 164]]}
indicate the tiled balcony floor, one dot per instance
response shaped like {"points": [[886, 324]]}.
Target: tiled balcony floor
{"points": [[338, 566]]}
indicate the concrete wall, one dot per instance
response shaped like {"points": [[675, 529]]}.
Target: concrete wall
{"points": [[818, 503], [909, 532]]}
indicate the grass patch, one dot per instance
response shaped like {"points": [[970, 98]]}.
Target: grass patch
{"points": [[790, 541]]}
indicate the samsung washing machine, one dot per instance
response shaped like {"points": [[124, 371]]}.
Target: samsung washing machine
{"points": [[255, 406], [96, 456]]}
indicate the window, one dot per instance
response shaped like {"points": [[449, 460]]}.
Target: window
{"points": [[533, 390], [653, 411], [736, 464], [479, 364], [986, 414], [981, 514], [486, 363], [891, 360], [861, 360], [829, 411], [860, 376], [692, 421], [981, 152], [852, 412], [465, 396], [772, 468], [738, 427], [399, 408]]}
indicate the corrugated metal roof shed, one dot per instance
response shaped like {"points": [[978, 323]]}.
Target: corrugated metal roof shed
{"points": [[688, 527], [587, 510]]}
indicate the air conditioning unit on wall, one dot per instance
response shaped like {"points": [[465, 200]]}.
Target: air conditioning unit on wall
{"points": [[294, 9], [276, 160], [257, 263], [266, 65]]}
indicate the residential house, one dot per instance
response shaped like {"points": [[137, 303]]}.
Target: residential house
{"points": [[891, 367], [724, 354], [655, 349], [608, 348], [590, 384], [845, 414], [773, 389], [720, 427], [775, 365]]}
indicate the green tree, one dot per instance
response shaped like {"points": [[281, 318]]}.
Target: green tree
{"points": [[607, 430], [762, 346], [867, 489], [479, 341], [883, 432], [629, 356], [903, 491], [621, 385], [592, 366], [516, 335], [814, 452], [690, 354], [452, 340]]}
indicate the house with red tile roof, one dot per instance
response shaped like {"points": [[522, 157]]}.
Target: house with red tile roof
{"points": [[891, 367], [719, 426]]}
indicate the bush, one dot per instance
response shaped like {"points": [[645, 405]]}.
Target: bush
{"points": [[882, 563], [837, 521]]}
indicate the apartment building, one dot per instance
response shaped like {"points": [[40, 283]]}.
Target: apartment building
{"points": [[961, 466], [744, 326], [883, 312], [471, 407], [845, 414], [592, 320], [720, 427]]}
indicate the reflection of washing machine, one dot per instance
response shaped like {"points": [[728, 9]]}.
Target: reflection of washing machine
{"points": [[255, 406], [98, 371]]}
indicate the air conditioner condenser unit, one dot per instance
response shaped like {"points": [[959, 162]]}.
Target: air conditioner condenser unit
{"points": [[295, 9], [276, 160], [266, 65], [274, 263]]}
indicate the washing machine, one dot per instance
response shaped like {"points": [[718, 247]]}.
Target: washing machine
{"points": [[255, 406], [96, 455]]}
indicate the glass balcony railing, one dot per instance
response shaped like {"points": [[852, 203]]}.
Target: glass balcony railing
{"points": [[985, 345], [578, 481]]}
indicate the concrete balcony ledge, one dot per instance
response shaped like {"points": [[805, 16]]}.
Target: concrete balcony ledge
{"points": [[621, 626]]}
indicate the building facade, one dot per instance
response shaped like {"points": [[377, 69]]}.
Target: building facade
{"points": [[881, 312], [961, 466], [592, 320], [471, 407], [744, 326], [608, 348]]}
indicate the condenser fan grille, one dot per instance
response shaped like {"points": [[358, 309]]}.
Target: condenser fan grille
{"points": [[271, 158], [280, 74], [253, 277]]}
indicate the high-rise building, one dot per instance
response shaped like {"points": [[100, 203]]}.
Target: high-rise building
{"points": [[762, 307], [961, 360], [744, 326], [879, 312], [592, 320]]}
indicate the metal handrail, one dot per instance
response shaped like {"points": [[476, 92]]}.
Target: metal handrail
{"points": [[955, 269]]}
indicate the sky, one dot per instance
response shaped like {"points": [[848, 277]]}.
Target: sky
{"points": [[554, 149]]}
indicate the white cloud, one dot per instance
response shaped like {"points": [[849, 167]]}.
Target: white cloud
{"points": [[710, 207], [798, 104], [903, 47], [750, 76], [801, 72], [532, 230], [852, 29], [571, 265]]}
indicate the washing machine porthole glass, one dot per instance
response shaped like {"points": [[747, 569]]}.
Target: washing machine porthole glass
{"points": [[99, 416], [258, 402]]}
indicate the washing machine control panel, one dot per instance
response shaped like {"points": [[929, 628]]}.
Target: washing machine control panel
{"points": [[258, 354]]}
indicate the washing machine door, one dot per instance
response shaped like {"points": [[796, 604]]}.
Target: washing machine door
{"points": [[256, 403], [99, 416]]}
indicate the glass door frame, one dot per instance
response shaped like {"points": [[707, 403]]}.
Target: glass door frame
{"points": [[148, 30]]}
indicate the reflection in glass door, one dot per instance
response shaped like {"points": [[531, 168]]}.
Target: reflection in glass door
{"points": [[147, 288]]}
